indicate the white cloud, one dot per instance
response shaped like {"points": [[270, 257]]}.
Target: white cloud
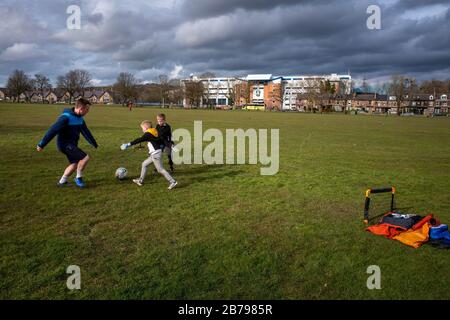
{"points": [[424, 13], [19, 26], [175, 73], [22, 51], [202, 31], [96, 82]]}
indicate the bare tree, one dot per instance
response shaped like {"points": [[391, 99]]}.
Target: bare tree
{"points": [[18, 83], [73, 81], [313, 90], [276, 97], [41, 84], [231, 93], [241, 92], [164, 88], [83, 80], [207, 94], [207, 91], [385, 88], [126, 88], [403, 88], [436, 87], [150, 92], [67, 83], [326, 87], [343, 87], [193, 92], [176, 92]]}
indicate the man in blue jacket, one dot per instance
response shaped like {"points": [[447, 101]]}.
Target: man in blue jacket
{"points": [[68, 128]]}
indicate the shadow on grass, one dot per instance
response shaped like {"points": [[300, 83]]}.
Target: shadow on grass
{"points": [[204, 173], [194, 173], [198, 169]]}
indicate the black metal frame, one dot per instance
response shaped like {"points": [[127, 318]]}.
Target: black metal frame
{"points": [[377, 190]]}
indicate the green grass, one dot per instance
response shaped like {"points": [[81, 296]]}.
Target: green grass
{"points": [[226, 232]]}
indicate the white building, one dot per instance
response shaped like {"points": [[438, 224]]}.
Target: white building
{"points": [[294, 85], [218, 91]]}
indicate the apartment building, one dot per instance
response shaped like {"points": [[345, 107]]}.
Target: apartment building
{"points": [[264, 91]]}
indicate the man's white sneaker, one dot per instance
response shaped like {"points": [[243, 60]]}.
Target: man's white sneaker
{"points": [[138, 182], [172, 185]]}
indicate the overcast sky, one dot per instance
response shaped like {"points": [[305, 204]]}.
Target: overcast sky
{"points": [[227, 37]]}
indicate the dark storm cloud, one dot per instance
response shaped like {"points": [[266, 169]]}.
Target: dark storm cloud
{"points": [[411, 4], [226, 37], [207, 8]]}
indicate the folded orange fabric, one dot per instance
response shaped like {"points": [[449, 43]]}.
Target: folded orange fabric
{"points": [[386, 230], [414, 238]]}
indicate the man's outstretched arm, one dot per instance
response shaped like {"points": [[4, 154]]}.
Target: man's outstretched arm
{"points": [[53, 131], [88, 135]]}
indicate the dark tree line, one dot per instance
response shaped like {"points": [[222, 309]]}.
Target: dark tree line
{"points": [[404, 88], [73, 81]]}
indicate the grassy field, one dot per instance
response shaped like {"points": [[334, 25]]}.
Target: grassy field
{"points": [[225, 232]]}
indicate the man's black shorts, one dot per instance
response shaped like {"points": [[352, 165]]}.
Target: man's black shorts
{"points": [[73, 153]]}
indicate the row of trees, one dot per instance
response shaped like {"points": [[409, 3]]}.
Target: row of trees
{"points": [[19, 82], [400, 86], [166, 91], [316, 88], [404, 88], [73, 81], [127, 87]]}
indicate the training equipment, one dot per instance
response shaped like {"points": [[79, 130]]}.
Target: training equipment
{"points": [[404, 220], [125, 146], [410, 229], [439, 232], [440, 237], [390, 190], [414, 237], [121, 173]]}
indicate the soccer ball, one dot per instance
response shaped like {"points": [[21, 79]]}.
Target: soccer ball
{"points": [[121, 173]]}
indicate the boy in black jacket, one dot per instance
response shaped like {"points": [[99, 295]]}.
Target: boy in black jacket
{"points": [[154, 149], [165, 132]]}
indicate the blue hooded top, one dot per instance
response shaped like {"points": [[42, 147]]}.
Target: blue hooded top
{"points": [[68, 128]]}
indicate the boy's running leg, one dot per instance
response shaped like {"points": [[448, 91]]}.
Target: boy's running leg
{"points": [[67, 173], [157, 160], [145, 164], [80, 167], [79, 159], [169, 155]]}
